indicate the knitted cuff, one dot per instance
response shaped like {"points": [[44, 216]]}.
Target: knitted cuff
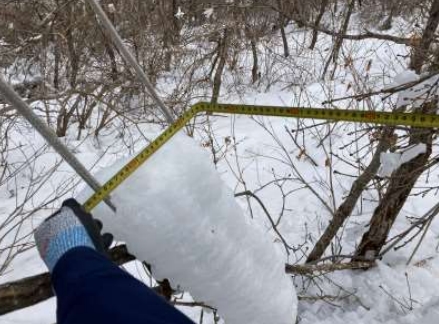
{"points": [[59, 234]]}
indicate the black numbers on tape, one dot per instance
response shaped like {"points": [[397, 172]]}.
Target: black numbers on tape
{"points": [[357, 116]]}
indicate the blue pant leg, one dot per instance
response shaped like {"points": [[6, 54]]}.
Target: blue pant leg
{"points": [[91, 289]]}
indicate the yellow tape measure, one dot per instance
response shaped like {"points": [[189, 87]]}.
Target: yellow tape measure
{"points": [[384, 118]]}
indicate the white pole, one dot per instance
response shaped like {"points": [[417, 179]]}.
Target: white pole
{"points": [[49, 135]]}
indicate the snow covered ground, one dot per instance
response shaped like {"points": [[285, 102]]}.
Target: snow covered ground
{"points": [[293, 175]]}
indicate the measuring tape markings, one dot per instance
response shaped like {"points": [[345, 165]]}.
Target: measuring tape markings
{"points": [[138, 160], [385, 118]]}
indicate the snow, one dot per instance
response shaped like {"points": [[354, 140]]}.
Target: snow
{"points": [[413, 152], [404, 77], [392, 161], [389, 163], [416, 95], [179, 13], [176, 214], [387, 294], [111, 8], [208, 12], [35, 38], [428, 314], [354, 296]]}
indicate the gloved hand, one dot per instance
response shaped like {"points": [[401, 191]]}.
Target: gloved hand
{"points": [[68, 228]]}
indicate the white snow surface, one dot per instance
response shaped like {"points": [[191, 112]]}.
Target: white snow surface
{"points": [[179, 13], [111, 8], [177, 214], [404, 77], [208, 12], [392, 161], [418, 94], [390, 293]]}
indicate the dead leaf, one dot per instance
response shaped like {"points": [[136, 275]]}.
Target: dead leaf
{"points": [[368, 66], [328, 162]]}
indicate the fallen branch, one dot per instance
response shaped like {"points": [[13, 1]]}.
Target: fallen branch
{"points": [[33, 290], [8, 108], [311, 269], [389, 91], [273, 224], [366, 34]]}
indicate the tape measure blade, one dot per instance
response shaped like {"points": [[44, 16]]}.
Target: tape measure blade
{"points": [[371, 117]]}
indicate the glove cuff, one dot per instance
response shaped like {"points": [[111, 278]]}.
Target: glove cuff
{"points": [[59, 234]]}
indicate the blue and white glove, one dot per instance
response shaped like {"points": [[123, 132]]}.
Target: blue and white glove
{"points": [[69, 228]]}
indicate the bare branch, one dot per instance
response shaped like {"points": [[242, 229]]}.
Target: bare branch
{"points": [[305, 270], [32, 290]]}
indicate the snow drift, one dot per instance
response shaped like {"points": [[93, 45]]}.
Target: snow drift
{"points": [[177, 214]]}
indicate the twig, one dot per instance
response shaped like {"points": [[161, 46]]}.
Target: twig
{"points": [[193, 304], [391, 90], [302, 150], [426, 218], [421, 239], [273, 224], [32, 290], [312, 269]]}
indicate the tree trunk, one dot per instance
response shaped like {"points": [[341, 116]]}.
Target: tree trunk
{"points": [[284, 41], [73, 52], [176, 25], [73, 58], [400, 186], [112, 56], [171, 33], [283, 23], [387, 24], [255, 69], [395, 195], [57, 62], [32, 290], [346, 208], [420, 52], [339, 40], [323, 7], [217, 80], [62, 121], [404, 178]]}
